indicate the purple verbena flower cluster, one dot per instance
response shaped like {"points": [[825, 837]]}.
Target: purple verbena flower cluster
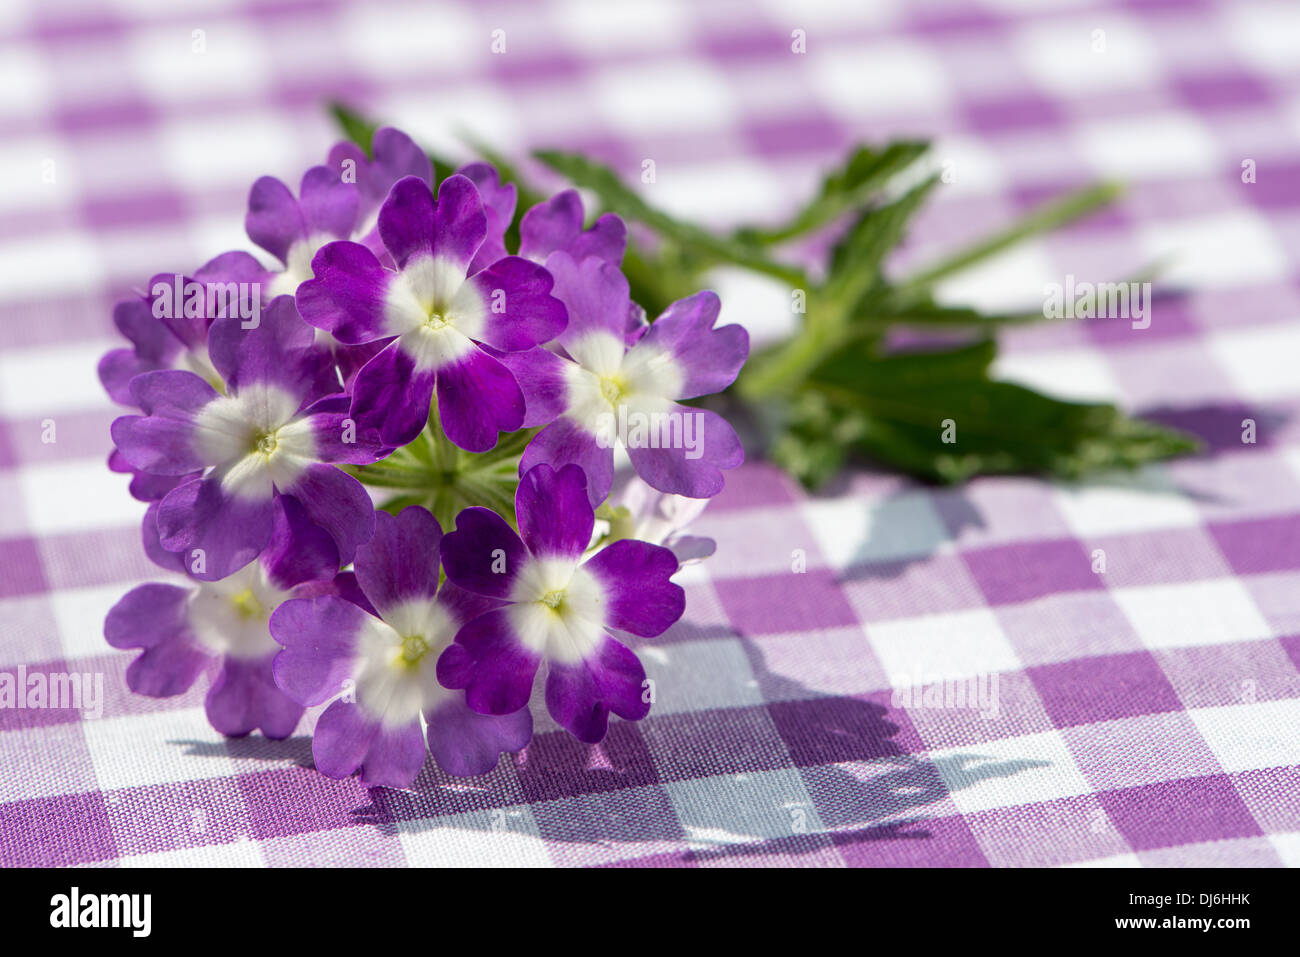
{"points": [[260, 394]]}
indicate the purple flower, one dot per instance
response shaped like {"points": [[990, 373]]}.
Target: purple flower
{"points": [[437, 314], [380, 650], [168, 332], [614, 388], [269, 436], [499, 207], [181, 631], [638, 511], [556, 226], [558, 608], [339, 200], [395, 156]]}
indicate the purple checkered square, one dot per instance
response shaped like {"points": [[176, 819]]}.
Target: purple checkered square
{"points": [[1105, 688], [1016, 573], [1184, 811]]}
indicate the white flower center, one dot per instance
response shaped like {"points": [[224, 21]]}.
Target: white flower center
{"points": [[229, 617], [643, 382], [298, 268], [559, 610], [397, 664], [434, 311], [255, 440]]}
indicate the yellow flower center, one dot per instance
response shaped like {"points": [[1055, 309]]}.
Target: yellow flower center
{"points": [[553, 599], [612, 387], [414, 648], [247, 606]]}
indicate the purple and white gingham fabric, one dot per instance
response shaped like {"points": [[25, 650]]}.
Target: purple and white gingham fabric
{"points": [[1147, 714]]}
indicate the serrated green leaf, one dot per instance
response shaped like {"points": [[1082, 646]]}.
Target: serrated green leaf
{"points": [[845, 188], [903, 406], [618, 198], [857, 258]]}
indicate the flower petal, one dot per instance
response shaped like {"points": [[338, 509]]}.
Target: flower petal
{"points": [[118, 367], [460, 222], [145, 487], [321, 638], [153, 617], [400, 562], [395, 757], [542, 379], [565, 442], [580, 696], [346, 739], [466, 743], [709, 358], [675, 470], [406, 220], [529, 315], [337, 503], [230, 530], [274, 220], [606, 239], [167, 669], [554, 513], [299, 550], [639, 595], [392, 397], [595, 293], [336, 436], [280, 351], [146, 616], [490, 662], [150, 338], [499, 205], [233, 266], [396, 155], [153, 550], [243, 697], [328, 205], [462, 605], [550, 225], [346, 297], [483, 554], [162, 441], [477, 398]]}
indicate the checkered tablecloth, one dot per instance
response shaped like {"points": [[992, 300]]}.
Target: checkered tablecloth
{"points": [[1145, 714]]}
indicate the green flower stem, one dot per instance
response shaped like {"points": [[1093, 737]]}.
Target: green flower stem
{"points": [[435, 473], [781, 369]]}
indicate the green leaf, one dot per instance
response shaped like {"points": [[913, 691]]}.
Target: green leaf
{"points": [[881, 311], [857, 258], [846, 188], [902, 407], [354, 126], [618, 198]]}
